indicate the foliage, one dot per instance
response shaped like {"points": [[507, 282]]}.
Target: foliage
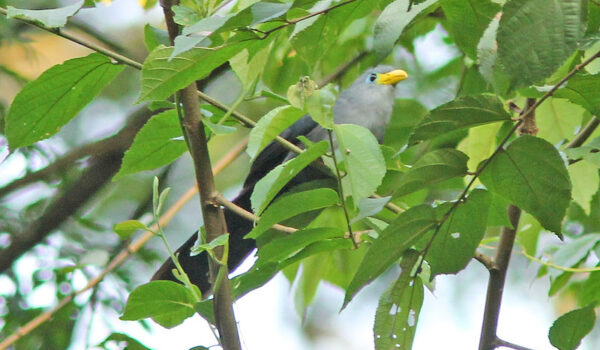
{"points": [[454, 157]]}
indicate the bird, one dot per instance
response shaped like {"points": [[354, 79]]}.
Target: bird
{"points": [[368, 102]]}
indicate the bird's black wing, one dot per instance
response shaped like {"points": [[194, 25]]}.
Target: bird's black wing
{"points": [[239, 248]]}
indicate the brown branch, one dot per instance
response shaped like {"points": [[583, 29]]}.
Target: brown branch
{"points": [[495, 290], [123, 254], [214, 220], [73, 196], [485, 260]]}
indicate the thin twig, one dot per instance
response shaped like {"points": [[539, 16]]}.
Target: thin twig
{"points": [[500, 342], [338, 178], [485, 260], [584, 134]]}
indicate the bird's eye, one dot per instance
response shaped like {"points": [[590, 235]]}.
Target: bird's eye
{"points": [[371, 78]]}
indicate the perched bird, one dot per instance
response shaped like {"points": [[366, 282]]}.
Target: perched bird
{"points": [[368, 102]]}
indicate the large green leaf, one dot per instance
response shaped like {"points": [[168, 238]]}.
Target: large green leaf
{"points": [[399, 307], [584, 90], [44, 105], [167, 302], [392, 22], [434, 167], [53, 18], [531, 174], [269, 126], [162, 77], [267, 188], [284, 247], [464, 112], [467, 20], [360, 151], [291, 205], [400, 235], [568, 330], [535, 37], [154, 145], [455, 243]]}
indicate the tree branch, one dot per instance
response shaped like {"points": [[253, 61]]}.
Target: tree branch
{"points": [[214, 220]]}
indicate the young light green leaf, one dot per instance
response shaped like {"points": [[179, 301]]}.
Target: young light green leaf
{"points": [[535, 37], [162, 77], [44, 105], [531, 174], [291, 205], [154, 37], [269, 126], [127, 228], [568, 330], [359, 150], [392, 22], [267, 188], [574, 252], [400, 235], [217, 242], [398, 310], [454, 245], [53, 18], [467, 20], [166, 302], [153, 145], [320, 104], [464, 112], [434, 167]]}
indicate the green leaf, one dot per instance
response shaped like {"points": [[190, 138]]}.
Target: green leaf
{"points": [[267, 188], [260, 12], [184, 15], [574, 252], [325, 245], [454, 245], [369, 207], [584, 177], [217, 242], [467, 20], [553, 126], [480, 144], [464, 112], [286, 246], [391, 24], [154, 37], [154, 145], [291, 205], [535, 37], [219, 129], [166, 302], [568, 330], [132, 343], [320, 105], [162, 77], [406, 115], [399, 307], [531, 174], [249, 69], [359, 150], [400, 235], [53, 18], [312, 41], [269, 126], [584, 90], [434, 167], [127, 228], [44, 105]]}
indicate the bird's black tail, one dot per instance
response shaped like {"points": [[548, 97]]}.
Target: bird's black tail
{"points": [[196, 266]]}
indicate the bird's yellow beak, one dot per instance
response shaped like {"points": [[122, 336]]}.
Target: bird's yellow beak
{"points": [[392, 78]]}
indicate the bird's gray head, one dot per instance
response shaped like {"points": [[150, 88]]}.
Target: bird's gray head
{"points": [[369, 101]]}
